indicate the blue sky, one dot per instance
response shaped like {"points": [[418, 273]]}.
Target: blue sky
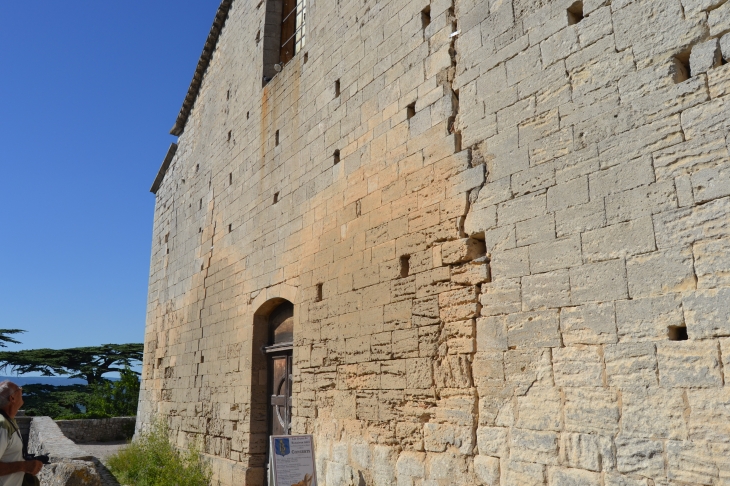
{"points": [[88, 93]]}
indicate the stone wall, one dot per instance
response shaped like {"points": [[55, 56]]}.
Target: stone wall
{"points": [[557, 177], [69, 464], [98, 430]]}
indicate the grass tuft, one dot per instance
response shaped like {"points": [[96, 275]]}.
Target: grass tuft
{"points": [[151, 460]]}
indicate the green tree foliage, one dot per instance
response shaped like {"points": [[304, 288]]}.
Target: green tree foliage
{"points": [[55, 401], [4, 338], [89, 363], [114, 398], [152, 460]]}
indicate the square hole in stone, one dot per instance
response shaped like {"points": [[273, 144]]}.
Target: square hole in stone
{"points": [[337, 88], [405, 265], [425, 17], [276, 137], [276, 198], [336, 157], [681, 68], [318, 298], [230, 178], [230, 228], [411, 110], [575, 13], [678, 333]]}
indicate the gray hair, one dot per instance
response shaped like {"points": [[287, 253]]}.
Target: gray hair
{"points": [[7, 388]]}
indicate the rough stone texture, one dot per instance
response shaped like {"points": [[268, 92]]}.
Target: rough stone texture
{"points": [[98, 430], [562, 196], [69, 464]]}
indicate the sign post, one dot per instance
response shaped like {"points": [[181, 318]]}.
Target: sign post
{"points": [[292, 461]]}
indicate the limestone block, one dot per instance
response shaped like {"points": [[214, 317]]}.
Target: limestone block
{"points": [[504, 156], [453, 372], [690, 462], [644, 457], [653, 413], [648, 319], [597, 66], [463, 250], [654, 29], [709, 419], [588, 324], [437, 437], [591, 410], [554, 255], [479, 219], [467, 180], [540, 409], [551, 289], [488, 369], [711, 183], [572, 477], [661, 272], [495, 192], [513, 115], [523, 474], [534, 446], [523, 65], [575, 220], [492, 441], [617, 480], [568, 194], [629, 364], [705, 56], [527, 367], [683, 227], [725, 47], [621, 177], [717, 79], [619, 240], [598, 282], [578, 366], [487, 470], [719, 20], [639, 202], [705, 119], [521, 208], [535, 230], [698, 7], [510, 263], [502, 296], [631, 145], [533, 329], [559, 45], [475, 274], [491, 333], [689, 364], [596, 25], [707, 313], [411, 465], [712, 263], [587, 451]]}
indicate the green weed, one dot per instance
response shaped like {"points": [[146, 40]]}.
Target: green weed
{"points": [[152, 460]]}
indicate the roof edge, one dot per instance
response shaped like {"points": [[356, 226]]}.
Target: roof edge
{"points": [[163, 168], [194, 89]]}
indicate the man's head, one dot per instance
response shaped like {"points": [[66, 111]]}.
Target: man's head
{"points": [[11, 397]]}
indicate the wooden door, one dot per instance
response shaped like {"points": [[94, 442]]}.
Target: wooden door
{"points": [[280, 393]]}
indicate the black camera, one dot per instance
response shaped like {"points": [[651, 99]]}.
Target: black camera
{"points": [[32, 457]]}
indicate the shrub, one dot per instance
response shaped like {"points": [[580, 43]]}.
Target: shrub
{"points": [[152, 460]]}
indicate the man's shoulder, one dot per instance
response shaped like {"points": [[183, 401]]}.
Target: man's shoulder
{"points": [[6, 425]]}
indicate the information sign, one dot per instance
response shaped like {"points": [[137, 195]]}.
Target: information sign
{"points": [[293, 460]]}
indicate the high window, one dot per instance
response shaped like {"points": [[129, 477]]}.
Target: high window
{"points": [[284, 34]]}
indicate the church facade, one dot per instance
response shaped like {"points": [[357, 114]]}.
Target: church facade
{"points": [[474, 242]]}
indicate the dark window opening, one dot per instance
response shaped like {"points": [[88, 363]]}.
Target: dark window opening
{"points": [[678, 333], [247, 114], [306, 57], [200, 204], [336, 157], [681, 70], [276, 137], [230, 228], [284, 34], [197, 167], [230, 179], [228, 94], [411, 111], [202, 358], [319, 292], [159, 362], [575, 13], [230, 132], [405, 265], [425, 17], [337, 88], [276, 198]]}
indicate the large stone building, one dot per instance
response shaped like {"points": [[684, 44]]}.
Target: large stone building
{"points": [[469, 242]]}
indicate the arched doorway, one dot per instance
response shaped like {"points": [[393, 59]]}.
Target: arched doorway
{"points": [[279, 358]]}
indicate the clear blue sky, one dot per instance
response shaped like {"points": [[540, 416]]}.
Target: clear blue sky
{"points": [[88, 93]]}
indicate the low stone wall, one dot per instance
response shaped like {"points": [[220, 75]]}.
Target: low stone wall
{"points": [[70, 464], [98, 430]]}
